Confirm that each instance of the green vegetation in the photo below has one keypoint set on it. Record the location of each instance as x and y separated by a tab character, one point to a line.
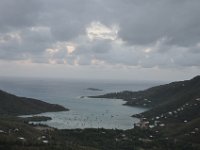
19	135
174	110
171	123
14	105
163	98
37	118
16	134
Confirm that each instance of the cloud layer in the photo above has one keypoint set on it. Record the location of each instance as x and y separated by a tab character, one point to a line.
146	34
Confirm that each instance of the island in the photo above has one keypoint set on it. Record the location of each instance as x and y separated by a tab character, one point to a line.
94	89
172	122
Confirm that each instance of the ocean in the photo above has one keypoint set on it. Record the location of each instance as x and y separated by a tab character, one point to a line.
84	112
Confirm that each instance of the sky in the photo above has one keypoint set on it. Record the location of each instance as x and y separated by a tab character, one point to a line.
100	39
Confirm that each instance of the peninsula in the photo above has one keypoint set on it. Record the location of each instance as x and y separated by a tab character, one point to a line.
14	105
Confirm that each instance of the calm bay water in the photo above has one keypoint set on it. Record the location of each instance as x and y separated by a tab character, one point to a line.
84	112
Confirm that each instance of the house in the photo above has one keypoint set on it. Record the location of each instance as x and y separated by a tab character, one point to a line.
143	124
197	99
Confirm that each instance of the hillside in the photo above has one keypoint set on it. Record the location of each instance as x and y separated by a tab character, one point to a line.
163	98
174	111
14	105
172	122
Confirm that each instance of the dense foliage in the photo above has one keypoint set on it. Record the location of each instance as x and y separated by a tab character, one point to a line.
14	105
173	123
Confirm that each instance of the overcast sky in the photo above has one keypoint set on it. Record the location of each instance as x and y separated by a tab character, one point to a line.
100	39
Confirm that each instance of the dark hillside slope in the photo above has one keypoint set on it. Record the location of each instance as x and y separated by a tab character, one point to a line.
165	98
14	105
182	100
174	110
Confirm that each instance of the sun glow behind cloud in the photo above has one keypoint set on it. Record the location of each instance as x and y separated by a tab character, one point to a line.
100	34
97	30
70	49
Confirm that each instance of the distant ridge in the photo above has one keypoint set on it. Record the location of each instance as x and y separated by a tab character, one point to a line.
13	105
163	98
174	109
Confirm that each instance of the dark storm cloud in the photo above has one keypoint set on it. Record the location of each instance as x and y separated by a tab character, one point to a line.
151	33
150	21
18	14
